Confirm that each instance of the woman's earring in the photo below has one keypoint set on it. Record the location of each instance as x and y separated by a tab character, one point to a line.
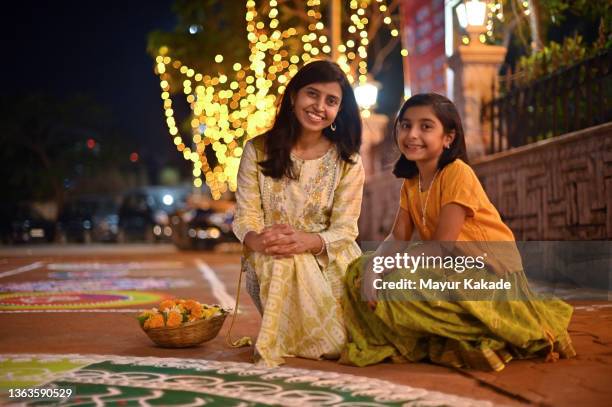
333	126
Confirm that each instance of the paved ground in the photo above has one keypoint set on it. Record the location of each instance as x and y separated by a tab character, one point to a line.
104	324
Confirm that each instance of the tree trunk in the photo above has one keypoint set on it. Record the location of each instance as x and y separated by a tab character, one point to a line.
534	26
58	187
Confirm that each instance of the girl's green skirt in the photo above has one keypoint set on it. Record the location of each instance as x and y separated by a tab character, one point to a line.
482	334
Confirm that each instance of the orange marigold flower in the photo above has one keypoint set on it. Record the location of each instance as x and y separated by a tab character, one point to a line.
189	304
197	312
174	319
155	321
166	304
194	307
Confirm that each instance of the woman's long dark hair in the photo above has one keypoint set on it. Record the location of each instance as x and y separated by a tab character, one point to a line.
286	129
448	115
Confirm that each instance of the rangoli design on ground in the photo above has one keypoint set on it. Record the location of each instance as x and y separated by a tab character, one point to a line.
78	300
95	274
96	285
115	266
100	380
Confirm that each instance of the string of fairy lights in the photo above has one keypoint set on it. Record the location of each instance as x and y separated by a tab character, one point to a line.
495	11
229	109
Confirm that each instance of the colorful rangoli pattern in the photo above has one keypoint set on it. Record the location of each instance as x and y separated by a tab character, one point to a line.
113	380
100	274
77	300
96	284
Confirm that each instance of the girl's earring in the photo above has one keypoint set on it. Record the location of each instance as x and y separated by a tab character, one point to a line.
333	126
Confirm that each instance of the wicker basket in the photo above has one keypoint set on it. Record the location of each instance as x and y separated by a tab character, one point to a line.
189	333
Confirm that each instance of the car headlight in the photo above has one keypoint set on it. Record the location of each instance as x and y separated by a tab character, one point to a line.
187	216
216	218
213	233
160	217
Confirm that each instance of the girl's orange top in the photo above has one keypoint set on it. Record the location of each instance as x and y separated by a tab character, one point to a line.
456	183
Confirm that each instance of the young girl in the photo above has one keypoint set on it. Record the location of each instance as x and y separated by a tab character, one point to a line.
442	199
298	201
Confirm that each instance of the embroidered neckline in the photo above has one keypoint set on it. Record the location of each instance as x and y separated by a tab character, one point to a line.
329	150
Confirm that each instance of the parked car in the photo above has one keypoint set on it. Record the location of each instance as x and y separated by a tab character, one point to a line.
21	223
203	223
144	213
89	218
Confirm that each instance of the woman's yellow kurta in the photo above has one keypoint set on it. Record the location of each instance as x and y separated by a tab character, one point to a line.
300	296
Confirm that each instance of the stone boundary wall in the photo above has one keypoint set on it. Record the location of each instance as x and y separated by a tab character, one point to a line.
556	189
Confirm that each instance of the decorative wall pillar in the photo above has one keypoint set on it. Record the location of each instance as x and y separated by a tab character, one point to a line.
374	127
475	67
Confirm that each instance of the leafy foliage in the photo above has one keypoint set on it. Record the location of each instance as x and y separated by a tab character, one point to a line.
557	56
44	149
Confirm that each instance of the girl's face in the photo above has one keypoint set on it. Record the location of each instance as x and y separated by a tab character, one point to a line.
316	105
421	136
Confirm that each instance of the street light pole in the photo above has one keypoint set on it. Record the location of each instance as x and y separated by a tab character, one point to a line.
336	25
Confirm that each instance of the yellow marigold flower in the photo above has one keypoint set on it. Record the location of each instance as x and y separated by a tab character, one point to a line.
166	304
155	321
146	314
174	319
210	312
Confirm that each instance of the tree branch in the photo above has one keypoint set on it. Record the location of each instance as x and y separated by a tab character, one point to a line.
517	18
507	35
295	11
381	56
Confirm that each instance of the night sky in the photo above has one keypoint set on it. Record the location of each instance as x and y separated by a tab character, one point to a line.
99	49
93	48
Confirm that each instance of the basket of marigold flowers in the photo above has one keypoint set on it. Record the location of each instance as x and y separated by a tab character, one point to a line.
182	323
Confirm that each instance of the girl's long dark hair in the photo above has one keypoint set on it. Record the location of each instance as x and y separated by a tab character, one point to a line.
286	129
448	115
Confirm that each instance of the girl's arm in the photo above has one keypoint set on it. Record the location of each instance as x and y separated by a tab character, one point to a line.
402	227
452	217
402	230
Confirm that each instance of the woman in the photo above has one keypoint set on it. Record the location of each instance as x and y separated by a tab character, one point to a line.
298	201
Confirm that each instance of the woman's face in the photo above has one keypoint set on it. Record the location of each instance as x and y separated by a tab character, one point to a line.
316	105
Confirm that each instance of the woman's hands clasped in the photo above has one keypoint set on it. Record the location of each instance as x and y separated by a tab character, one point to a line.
282	240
